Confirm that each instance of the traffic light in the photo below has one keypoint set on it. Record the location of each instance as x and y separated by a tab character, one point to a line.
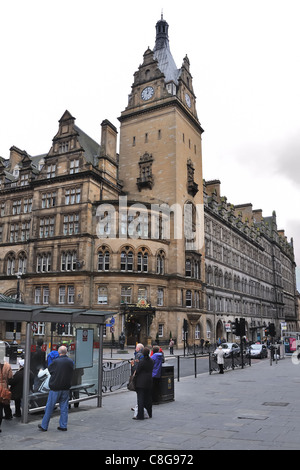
185	325
272	330
237	327
267	331
60	328
242	327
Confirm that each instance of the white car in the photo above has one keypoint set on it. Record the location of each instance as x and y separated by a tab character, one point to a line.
230	349
257	350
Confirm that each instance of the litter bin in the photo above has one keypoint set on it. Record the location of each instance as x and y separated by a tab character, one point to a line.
166	384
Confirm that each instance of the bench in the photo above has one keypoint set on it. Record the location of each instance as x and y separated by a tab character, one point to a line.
35	397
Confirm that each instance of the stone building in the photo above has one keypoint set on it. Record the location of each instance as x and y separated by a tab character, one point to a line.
87	226
250	268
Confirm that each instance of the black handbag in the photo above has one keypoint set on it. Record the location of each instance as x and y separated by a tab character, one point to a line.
131	383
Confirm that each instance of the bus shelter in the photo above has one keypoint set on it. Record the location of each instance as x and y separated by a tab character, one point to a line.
86	321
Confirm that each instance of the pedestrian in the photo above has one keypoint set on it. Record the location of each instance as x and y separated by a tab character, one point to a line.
220	359
122	341
51	356
16	387
144	385
61	371
37	362
5	394
171	345
157	359
138	355
160	350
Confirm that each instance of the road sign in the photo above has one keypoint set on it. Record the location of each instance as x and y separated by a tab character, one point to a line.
111	322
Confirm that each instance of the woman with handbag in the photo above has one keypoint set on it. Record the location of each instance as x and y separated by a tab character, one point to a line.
143	385
5	394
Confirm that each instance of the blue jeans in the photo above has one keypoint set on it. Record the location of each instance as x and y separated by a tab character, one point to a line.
61	397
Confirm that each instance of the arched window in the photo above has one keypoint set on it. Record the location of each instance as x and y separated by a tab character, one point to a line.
160	262
22	263
209	275
103	259
142	261
127	259
11	262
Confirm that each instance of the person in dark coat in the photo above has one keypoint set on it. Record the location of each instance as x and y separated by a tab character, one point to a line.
16	387
144	385
37	362
60	382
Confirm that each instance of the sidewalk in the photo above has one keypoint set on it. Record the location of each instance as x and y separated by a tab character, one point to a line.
256	408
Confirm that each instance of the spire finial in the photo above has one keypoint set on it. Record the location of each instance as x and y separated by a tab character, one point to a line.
162	14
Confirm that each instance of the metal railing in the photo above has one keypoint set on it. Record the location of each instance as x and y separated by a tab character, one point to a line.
115	375
231	362
198	349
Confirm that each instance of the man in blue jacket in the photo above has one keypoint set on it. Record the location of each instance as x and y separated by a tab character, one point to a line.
61	371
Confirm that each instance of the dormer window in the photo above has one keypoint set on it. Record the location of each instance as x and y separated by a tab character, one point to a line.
24	179
16	171
41	164
171	88
63	147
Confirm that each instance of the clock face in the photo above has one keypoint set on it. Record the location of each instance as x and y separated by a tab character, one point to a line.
147	93
188	100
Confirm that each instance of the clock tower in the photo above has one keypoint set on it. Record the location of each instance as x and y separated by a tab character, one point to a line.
160	126
160	164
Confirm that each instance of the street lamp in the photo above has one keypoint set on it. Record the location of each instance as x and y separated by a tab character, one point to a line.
19	275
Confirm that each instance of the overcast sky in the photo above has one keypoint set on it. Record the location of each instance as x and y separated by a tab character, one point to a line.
244	56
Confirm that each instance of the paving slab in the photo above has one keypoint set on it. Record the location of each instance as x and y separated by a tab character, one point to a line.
255	408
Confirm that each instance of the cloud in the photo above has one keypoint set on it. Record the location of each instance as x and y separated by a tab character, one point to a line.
287	161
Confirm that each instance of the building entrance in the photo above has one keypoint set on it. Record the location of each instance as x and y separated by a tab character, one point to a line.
137	323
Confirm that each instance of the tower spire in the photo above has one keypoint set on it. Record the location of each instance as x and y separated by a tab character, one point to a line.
162	37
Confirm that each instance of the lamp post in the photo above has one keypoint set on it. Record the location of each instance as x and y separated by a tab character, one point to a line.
18	274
